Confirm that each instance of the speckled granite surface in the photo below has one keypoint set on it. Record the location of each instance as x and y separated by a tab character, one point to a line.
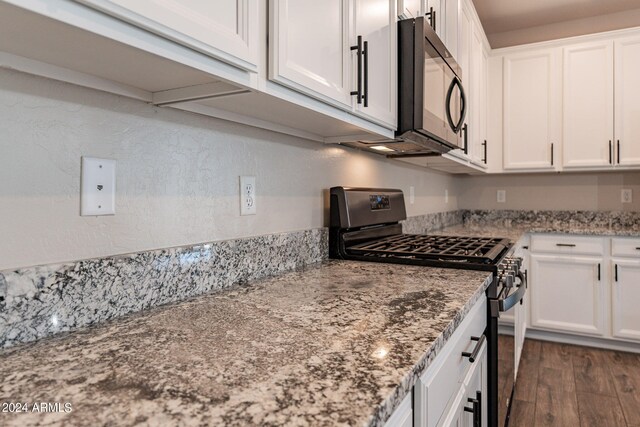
422	224
570	222
340	343
40	301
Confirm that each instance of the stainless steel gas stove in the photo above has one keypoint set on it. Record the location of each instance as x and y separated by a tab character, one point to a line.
365	226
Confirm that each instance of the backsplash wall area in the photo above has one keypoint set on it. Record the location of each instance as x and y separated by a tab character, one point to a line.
567	191
177	175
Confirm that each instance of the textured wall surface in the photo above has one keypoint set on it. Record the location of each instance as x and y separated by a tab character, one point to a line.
566	191
177	175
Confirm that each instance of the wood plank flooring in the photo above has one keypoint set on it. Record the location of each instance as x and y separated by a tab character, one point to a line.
566	385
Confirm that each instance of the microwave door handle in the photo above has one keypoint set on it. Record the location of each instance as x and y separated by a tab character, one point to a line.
463	105
447	104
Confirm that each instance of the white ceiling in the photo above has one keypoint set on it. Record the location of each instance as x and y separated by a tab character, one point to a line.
511	22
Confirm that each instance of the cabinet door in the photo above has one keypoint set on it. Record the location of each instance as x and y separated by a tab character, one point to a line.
311	55
475	97
226	29
588	105
627	69
451	16
567	293
532	103
625	294
375	21
403	415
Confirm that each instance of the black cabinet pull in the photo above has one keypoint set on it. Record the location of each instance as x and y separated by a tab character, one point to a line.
365	53
616	271
525	247
358	49
485	151
610	152
552	154
431	15
476	409
566	245
465	129
474	354
598	272
618	151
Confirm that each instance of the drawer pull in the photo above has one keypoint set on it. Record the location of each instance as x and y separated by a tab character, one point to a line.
567	245
474	354
475	409
637	249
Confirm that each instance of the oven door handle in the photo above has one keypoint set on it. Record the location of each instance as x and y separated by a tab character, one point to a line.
514	298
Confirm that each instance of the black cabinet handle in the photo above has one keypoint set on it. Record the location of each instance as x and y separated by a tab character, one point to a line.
566	245
431	15
365	53
358	49
485	151
616	271
598	272
610	152
474	354
618	151
552	154
476	409
525	247
465	129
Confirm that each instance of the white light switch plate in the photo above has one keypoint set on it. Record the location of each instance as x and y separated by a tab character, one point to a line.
502	196
247	195
412	194
98	187
626	195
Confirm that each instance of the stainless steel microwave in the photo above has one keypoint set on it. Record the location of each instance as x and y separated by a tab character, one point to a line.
431	99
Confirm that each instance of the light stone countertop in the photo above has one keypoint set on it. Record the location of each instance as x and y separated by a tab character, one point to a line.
337	343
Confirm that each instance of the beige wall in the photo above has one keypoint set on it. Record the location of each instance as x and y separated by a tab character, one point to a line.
177	175
575	191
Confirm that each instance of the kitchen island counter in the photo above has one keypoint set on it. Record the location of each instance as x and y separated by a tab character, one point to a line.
337	343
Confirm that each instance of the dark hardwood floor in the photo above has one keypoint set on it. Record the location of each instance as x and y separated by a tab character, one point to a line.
567	385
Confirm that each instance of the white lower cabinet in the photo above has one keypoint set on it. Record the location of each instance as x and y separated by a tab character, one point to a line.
586	286
442	393
568	293
625	294
403	415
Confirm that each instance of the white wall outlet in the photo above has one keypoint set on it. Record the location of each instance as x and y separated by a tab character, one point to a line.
247	195
98	187
412	194
446	196
502	196
626	195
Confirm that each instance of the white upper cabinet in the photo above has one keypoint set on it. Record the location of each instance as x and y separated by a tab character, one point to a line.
588	105
309	48
375	22
532	110
224	29
342	52
474	98
627	100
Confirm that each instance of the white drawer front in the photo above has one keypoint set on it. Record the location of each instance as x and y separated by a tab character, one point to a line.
567	244
444	377
621	246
